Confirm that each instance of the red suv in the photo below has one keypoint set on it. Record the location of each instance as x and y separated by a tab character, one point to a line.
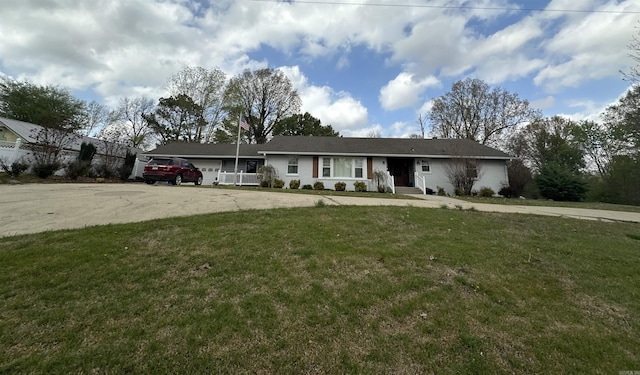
176	170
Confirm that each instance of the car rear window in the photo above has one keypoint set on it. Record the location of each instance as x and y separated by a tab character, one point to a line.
161	162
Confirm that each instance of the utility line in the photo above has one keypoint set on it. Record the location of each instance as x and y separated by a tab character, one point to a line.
460	7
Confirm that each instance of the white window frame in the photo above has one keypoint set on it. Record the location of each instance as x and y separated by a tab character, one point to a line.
356	164
423	163
290	165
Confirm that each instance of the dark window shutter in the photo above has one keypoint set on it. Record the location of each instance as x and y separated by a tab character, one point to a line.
369	167
315	167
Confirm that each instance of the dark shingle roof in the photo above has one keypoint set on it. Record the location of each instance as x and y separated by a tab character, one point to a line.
402	147
200	150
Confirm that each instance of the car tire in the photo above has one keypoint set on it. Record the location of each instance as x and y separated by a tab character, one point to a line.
149	182
199	181
178	180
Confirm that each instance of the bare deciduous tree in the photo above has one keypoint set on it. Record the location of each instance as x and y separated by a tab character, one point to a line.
96	118
463	174
374	133
472	110
47	150
633	74
421	123
206	89
264	97
127	123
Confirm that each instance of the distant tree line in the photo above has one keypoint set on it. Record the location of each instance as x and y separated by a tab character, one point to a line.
554	157
202	106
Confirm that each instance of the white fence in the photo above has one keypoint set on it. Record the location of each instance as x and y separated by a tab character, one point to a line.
391	182
421	182
11	151
241	178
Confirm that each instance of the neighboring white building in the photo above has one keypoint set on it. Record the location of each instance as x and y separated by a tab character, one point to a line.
422	163
16	136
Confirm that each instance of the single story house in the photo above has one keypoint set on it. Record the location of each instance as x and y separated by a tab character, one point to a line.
420	163
16	136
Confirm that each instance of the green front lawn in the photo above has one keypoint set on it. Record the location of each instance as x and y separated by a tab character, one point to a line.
324	290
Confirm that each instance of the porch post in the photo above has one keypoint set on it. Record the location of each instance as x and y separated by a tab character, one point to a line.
15	150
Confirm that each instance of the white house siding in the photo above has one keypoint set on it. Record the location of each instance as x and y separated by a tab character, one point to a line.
492	174
305	171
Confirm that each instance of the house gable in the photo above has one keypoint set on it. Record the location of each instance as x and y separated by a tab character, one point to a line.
7	135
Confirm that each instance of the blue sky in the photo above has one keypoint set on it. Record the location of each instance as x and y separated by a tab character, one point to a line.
359	65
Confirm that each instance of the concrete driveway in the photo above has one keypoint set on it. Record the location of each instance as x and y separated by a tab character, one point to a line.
33	208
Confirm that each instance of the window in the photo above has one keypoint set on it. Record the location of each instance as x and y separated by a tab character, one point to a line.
343	167
358	167
292	166
252	166
472	169
425	166
326	167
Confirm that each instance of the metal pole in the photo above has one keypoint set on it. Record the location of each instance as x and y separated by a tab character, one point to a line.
235	170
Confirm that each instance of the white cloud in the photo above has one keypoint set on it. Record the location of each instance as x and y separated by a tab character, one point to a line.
589	109
337	109
589	47
365	132
425	108
543	103
404	91
402	130
586	110
128	48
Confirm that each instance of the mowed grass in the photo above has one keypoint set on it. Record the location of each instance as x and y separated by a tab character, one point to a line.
325	290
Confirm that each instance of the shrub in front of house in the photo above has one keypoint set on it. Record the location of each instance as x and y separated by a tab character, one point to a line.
458	191
125	170
104	171
267	174
360	186
486	192
318	185
294	184
77	168
45	170
15	169
340	186
278	183
307	187
507	192
441	191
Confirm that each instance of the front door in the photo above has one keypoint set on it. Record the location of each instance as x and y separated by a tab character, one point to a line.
402	170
